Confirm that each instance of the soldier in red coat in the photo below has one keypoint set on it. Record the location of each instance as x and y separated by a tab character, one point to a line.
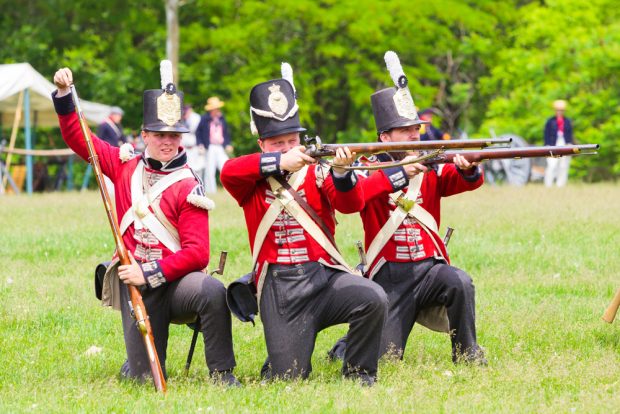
401	217
304	285
165	226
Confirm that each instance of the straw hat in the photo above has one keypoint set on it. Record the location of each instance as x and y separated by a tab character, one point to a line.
559	105
213	103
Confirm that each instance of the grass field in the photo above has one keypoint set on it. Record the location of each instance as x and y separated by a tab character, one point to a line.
545	263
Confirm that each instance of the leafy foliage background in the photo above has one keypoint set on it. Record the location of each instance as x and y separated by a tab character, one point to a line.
485	66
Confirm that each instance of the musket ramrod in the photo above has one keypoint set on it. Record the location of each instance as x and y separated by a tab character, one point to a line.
138	309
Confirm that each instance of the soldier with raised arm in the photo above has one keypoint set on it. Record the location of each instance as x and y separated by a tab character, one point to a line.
164	220
304	285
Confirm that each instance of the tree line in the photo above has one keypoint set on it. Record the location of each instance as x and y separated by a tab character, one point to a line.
484	66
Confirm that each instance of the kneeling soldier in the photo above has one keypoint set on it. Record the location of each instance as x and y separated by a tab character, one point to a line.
304	285
165	225
405	255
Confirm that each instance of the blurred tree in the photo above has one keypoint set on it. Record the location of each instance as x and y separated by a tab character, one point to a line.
482	64
336	50
114	46
564	49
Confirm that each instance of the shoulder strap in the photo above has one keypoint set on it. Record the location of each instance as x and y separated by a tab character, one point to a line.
424	218
285	198
271	215
139	198
307	208
394	221
141	216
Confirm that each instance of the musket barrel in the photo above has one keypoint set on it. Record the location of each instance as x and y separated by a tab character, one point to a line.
326	150
523	152
94	162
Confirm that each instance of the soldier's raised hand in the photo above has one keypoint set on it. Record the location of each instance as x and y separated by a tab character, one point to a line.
63	79
343	158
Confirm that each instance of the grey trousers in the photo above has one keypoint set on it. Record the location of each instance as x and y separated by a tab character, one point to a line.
411	287
194	294
299	301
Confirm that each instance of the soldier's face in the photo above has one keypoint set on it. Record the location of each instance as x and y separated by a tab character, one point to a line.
279	143
400	134
163	146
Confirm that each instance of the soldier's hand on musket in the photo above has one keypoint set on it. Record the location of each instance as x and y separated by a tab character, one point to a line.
413	169
295	159
63	79
131	274
344	157
463	164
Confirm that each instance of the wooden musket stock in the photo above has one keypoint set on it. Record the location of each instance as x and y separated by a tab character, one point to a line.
612	309
138	308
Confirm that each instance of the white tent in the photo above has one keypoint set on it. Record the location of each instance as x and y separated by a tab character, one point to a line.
38	108
18	77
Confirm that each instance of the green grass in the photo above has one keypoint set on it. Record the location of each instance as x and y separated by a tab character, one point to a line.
545	263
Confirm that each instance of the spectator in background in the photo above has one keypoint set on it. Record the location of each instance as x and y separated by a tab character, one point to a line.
428	131
558	131
213	135
111	130
195	156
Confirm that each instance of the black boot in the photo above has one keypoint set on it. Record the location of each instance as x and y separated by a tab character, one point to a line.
225	378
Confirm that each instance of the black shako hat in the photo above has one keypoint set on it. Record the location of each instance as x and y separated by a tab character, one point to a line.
162	108
394	107
273	106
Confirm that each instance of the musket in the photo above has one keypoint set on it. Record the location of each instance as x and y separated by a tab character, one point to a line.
448	236
523	152
138	310
612	309
316	149
362	255
445	157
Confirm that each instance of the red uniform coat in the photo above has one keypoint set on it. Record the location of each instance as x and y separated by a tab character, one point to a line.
287	242
410	242
191	222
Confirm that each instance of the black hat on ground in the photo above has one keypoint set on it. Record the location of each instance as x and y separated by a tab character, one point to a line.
241	298
273	106
163	108
394	107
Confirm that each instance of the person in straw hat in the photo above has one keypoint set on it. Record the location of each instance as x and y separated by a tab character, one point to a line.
558	131
213	135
